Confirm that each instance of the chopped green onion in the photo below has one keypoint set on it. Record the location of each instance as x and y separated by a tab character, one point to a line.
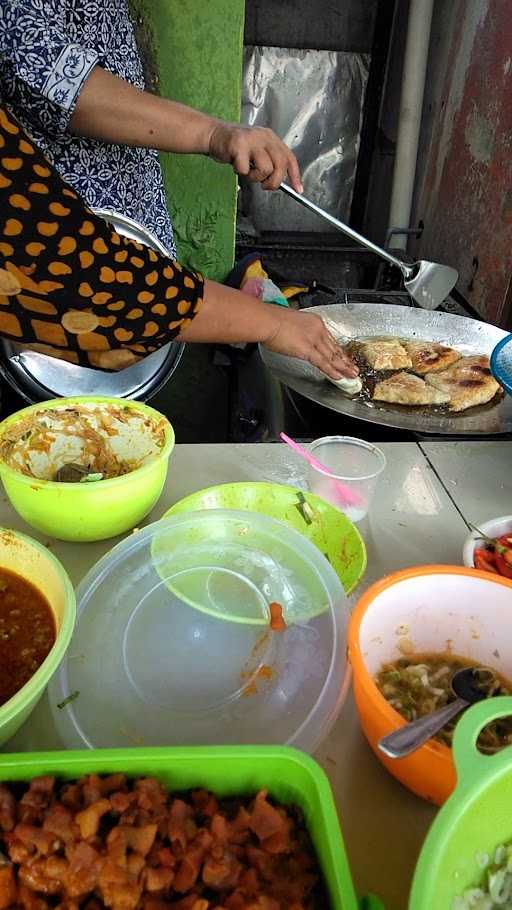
304	509
68	700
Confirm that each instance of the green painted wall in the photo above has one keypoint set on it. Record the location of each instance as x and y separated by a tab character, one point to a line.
199	58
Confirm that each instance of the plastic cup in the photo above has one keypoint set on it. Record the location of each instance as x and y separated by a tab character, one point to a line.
353	463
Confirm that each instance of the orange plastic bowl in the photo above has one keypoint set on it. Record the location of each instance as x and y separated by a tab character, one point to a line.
425	609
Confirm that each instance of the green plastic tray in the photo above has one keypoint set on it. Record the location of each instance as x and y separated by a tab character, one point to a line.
476	819
290	777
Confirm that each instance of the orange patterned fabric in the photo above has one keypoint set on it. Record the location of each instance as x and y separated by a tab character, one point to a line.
69	285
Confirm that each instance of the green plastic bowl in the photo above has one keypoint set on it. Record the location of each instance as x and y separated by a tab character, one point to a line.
331	531
35	563
288	775
87	511
476	819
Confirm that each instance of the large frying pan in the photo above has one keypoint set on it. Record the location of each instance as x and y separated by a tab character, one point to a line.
356	320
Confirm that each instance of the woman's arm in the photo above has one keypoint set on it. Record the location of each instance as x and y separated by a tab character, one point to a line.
72	287
61	86
228	316
110	109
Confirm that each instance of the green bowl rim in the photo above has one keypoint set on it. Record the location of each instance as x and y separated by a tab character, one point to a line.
12	707
266	483
239	515
53	404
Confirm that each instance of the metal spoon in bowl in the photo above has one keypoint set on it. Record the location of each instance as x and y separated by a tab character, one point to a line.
70	473
467	686
75	473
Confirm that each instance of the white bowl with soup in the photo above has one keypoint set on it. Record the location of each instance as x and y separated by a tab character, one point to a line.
37	617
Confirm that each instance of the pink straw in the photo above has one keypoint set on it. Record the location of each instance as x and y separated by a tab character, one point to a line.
346	496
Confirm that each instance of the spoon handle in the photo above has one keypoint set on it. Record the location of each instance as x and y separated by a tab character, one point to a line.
409	738
302	452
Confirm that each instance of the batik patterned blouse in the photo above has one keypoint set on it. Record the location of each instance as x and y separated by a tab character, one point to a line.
47	51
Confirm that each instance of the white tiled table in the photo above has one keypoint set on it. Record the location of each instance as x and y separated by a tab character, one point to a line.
418	517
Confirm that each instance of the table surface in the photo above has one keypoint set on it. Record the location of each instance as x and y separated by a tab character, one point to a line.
426	495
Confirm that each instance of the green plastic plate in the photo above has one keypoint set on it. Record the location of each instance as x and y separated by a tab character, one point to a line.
331	531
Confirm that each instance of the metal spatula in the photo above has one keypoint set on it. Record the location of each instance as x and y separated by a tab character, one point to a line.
428	283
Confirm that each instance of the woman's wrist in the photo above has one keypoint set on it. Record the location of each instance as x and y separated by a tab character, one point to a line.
211	127
231	317
273	322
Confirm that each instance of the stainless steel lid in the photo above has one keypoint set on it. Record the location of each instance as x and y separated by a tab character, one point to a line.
37	378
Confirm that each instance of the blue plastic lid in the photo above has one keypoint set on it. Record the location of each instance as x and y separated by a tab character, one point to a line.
501	363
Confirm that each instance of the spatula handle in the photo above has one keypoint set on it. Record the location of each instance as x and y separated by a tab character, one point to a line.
406	270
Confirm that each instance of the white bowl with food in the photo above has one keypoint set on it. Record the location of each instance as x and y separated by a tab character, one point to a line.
484	543
85	469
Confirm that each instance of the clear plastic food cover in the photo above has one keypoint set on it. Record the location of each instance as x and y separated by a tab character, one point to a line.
174	645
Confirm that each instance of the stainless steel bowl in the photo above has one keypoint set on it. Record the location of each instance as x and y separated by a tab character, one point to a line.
36	377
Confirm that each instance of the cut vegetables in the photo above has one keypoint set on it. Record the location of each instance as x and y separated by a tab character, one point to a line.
418	685
94	438
495	891
495	556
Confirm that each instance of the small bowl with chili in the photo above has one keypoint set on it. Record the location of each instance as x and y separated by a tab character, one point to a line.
408	633
489	547
37	617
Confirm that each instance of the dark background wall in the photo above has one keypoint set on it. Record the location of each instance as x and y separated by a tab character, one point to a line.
464	172
316	24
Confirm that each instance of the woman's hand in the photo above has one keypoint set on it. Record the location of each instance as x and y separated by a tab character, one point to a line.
305	335
230	317
255	152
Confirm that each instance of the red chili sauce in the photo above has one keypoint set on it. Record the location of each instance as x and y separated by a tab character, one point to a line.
27	632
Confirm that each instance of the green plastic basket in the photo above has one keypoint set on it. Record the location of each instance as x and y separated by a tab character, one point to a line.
476	819
289	776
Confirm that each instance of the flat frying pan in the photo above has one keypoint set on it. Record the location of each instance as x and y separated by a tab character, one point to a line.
359	320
